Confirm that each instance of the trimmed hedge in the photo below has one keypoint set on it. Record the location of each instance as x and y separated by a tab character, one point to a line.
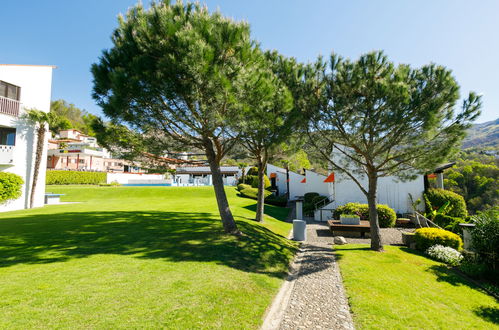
75	177
386	215
426	237
438	197
10	186
252	180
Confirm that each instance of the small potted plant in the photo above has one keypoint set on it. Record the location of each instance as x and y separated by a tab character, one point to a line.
349	219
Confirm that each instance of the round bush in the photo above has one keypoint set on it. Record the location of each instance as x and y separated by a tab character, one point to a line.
445	254
438	197
308	197
427	237
386	215
10	186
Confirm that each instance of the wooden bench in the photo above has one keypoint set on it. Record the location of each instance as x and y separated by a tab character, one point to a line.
53	198
363	228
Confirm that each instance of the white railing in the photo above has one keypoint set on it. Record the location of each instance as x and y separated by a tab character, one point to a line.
6	155
9	106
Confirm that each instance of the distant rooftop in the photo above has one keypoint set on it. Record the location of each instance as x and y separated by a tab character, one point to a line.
206	170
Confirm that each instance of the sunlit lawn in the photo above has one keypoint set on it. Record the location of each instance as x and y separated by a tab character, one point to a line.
139	257
400	289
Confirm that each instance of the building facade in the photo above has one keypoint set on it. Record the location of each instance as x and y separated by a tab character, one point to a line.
23	87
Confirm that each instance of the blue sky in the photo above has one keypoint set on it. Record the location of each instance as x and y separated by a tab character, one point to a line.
462	35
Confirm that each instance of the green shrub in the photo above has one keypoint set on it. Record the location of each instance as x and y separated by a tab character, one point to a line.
386	215
438	198
485	237
75	177
426	237
242	186
449	223
252	180
276	200
253	171
308	197
10	186
250	192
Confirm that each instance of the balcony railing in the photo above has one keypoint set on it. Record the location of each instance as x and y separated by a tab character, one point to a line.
6	155
9	106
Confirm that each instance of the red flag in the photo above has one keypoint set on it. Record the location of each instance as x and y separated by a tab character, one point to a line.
304	180
330	178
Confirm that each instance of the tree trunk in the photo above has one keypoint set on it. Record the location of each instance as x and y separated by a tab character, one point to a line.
228	222
38	159
260	203
376	243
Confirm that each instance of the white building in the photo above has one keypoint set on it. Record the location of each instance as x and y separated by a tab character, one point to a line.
201	175
22	87
391	191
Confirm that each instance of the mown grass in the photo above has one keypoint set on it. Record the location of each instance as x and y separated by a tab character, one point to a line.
148	257
401	289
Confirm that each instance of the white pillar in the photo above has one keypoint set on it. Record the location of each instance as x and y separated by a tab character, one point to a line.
299	209
440	180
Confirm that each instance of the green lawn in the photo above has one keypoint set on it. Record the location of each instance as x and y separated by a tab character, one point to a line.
400	289
139	257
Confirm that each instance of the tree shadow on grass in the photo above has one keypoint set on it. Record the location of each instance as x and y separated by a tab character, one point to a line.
172	236
489	314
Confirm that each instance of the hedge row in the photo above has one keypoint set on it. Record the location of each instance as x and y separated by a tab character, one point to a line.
386	215
75	177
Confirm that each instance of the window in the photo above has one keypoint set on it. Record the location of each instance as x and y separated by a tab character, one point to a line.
10	91
7	136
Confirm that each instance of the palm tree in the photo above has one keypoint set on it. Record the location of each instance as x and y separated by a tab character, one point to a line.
40	119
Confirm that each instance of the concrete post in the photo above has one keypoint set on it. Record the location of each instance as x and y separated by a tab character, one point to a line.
467	228
440	180
299	209
299	230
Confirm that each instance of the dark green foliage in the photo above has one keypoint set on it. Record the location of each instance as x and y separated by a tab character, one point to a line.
10	186
386	215
252	192
276	200
253	171
70	116
252	180
426	237
449	223
438	197
485	237
75	177
308	197
475	177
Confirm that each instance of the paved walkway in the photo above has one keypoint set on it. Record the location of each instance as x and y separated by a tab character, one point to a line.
316	297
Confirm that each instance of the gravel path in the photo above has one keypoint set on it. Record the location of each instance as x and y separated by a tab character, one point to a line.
318	299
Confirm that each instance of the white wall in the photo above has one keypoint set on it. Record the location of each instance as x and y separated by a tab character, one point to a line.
391	191
280	178
36	84
124	178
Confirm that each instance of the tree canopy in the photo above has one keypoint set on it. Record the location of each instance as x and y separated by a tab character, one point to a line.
379	119
178	69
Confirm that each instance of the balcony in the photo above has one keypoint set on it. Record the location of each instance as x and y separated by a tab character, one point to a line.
6	155
9	106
